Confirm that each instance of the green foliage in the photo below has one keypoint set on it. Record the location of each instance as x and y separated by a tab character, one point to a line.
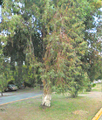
5	72
93	85
5	75
53	39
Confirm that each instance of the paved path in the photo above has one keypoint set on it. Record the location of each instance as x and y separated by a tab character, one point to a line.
16	97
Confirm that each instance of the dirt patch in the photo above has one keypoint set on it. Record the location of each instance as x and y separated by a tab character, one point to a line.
80	112
93	95
2	110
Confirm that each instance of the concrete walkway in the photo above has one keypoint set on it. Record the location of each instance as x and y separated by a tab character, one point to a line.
16	97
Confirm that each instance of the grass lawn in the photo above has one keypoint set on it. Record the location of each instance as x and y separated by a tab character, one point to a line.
98	87
62	108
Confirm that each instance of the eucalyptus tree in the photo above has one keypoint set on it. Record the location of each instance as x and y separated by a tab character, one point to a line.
92	57
65	47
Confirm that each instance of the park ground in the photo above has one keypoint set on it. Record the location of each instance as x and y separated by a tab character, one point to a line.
63	107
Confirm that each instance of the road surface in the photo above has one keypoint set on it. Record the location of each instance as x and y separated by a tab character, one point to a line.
16	97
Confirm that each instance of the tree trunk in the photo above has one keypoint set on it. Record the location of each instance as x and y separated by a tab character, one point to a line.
1	93
19	78
46	100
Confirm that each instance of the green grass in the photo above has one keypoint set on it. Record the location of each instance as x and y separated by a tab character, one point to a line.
62	108
98	87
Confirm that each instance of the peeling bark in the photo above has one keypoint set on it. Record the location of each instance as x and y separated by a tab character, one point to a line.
46	100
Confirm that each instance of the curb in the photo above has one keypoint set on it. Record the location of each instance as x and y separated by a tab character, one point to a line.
20	100
97	116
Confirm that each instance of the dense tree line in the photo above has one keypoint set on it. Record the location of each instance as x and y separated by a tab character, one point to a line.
51	43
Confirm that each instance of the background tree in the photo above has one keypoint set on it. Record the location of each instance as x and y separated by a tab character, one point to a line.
23	41
5	72
92	35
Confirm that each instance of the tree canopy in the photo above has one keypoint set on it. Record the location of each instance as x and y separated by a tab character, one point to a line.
51	42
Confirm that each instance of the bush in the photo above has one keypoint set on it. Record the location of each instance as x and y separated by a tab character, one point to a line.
93	85
89	87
